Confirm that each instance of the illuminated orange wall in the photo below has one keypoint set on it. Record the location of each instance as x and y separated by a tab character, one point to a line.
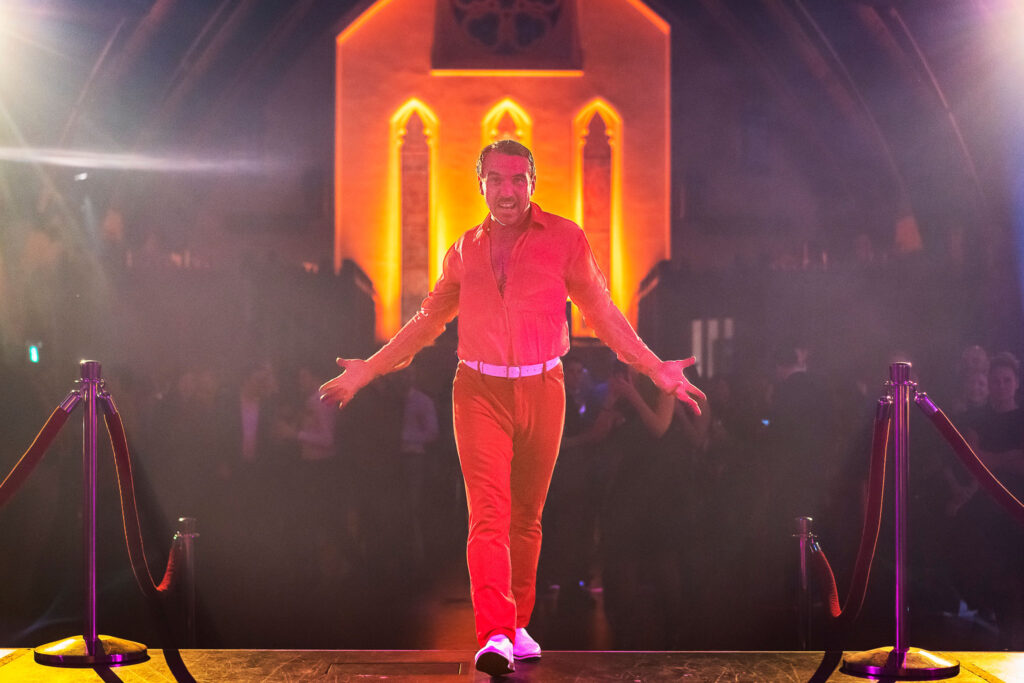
383	73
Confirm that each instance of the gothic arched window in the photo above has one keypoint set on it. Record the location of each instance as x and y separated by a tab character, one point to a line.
411	221
506	120
597	173
415	181
597	191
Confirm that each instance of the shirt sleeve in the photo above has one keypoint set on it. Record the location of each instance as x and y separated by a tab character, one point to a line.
588	289
436	311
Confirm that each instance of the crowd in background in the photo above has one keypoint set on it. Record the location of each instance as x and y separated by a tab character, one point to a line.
678	528
321	528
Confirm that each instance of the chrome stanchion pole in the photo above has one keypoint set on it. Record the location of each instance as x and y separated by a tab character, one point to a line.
806	537
901	661
186	535
899	376
91	648
90	388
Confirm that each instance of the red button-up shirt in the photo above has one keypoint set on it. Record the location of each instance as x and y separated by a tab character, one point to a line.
526	324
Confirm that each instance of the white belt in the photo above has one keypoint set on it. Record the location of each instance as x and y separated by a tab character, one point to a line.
511	371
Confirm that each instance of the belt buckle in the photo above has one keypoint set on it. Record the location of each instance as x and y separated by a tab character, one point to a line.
512	372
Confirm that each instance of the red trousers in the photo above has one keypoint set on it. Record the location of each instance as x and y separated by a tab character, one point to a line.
508	433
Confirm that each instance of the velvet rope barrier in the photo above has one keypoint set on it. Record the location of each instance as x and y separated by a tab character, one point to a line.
869	532
133	533
872	522
136	550
130	512
28	461
970	459
845	615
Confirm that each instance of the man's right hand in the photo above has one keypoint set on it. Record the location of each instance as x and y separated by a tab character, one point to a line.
669	378
341	389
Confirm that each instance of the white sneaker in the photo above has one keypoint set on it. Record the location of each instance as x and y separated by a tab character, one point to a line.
526	647
495	658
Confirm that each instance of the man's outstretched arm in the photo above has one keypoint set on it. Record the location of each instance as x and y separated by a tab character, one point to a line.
589	290
437	310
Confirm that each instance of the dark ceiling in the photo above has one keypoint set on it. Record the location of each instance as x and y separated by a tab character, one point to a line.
920	91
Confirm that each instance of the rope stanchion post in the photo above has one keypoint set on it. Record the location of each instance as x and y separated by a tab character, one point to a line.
900	661
91	384
806	538
186	535
91	648
899	376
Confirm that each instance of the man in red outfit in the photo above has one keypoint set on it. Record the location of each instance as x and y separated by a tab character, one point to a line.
508	279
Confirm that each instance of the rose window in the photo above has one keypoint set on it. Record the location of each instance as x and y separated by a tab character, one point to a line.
506	26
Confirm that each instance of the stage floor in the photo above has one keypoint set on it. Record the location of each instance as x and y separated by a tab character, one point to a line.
244	666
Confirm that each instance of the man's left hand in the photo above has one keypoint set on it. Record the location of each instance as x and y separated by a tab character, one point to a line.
670	379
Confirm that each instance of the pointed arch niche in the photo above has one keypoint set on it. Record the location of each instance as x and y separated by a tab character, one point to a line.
597	193
412	188
506	120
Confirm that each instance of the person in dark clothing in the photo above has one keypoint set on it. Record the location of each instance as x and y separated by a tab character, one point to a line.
641	516
570	518
800	436
990	545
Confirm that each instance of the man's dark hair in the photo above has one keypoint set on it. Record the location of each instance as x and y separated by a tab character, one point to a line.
1005	359
510	147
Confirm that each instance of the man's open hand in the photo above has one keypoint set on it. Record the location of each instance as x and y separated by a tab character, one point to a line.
670	379
341	389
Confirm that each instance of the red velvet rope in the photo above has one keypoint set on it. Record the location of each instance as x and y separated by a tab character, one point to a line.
869	533
136	549
27	463
130	516
873	518
974	464
828	580
133	534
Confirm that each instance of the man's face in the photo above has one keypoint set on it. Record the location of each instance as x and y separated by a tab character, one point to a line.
506	186
976	388
1002	385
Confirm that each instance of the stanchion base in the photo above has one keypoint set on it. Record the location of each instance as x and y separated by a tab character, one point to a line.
72	652
912	665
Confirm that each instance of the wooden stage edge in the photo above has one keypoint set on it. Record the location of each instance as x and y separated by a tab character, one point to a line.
438	666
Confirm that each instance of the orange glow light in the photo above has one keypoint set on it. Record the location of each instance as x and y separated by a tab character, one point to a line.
650	15
361	20
507	73
339	243
390	289
376	91
489	127
613	126
667	177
